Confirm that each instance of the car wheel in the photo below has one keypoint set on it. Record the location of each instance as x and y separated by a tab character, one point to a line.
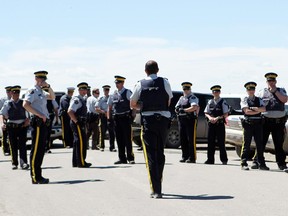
173	138
239	149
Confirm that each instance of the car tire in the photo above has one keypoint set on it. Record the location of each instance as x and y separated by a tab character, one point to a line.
173	138
239	149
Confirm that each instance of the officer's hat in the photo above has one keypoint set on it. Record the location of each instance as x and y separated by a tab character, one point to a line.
215	88
250	85
8	88
41	74
186	85
70	89
119	79
82	85
271	76
16	88
106	87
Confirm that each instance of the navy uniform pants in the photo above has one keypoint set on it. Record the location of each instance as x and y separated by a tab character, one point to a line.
67	134
39	136
49	130
79	144
104	126
187	128
18	138
123	131
278	131
5	144
154	135
216	132
93	129
249	131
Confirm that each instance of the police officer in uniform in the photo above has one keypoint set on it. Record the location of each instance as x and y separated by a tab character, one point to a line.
93	119
5	144
274	99
252	124
78	114
216	111
35	102
101	108
119	110
152	97
16	126
187	111
67	134
52	108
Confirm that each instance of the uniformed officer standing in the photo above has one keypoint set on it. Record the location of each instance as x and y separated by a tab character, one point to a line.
52	108
152	97
119	109
93	119
35	102
78	113
67	134
101	108
5	144
216	111
187	111
252	123
17	123
274	99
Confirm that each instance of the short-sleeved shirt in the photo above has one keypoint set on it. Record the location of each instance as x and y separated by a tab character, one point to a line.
102	103
225	106
4	111
90	103
38	100
2	101
75	103
246	99
137	92
268	98
117	94
191	99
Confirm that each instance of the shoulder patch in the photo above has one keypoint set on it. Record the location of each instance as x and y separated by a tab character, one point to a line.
76	101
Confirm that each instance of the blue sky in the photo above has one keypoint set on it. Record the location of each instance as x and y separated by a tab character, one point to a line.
205	42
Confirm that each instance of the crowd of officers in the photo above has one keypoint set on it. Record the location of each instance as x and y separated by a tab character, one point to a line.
87	114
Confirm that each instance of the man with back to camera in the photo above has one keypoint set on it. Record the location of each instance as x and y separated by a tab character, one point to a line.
252	124
78	114
35	102
274	99
152	96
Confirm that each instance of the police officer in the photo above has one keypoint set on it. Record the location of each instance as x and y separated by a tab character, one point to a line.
252	123
67	134
216	111
119	110
152	97
101	108
78	114
93	119
5	144
274	99
187	111
35	102
16	126
52	108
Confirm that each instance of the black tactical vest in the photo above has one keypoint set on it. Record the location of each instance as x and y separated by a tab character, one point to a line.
275	105
121	104
16	111
216	109
82	111
255	103
153	95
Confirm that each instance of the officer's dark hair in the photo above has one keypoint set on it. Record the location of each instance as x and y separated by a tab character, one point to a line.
151	67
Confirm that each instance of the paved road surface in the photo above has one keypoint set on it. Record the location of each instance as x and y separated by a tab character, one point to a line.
123	190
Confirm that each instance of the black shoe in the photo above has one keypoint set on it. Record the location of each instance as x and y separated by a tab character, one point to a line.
42	181
113	150
285	170
131	162
190	161
120	162
25	166
86	165
255	165
156	195
48	151
282	167
208	162
182	160
244	167
224	163
263	167
14	167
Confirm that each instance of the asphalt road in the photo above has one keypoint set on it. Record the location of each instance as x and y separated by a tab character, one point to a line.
118	190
